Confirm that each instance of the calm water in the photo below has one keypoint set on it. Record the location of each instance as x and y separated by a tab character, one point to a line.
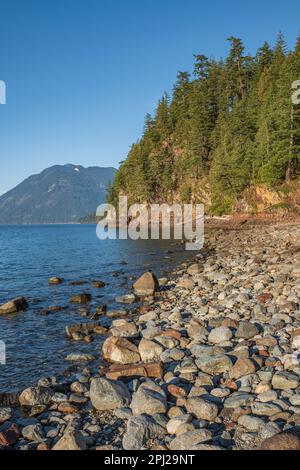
36	344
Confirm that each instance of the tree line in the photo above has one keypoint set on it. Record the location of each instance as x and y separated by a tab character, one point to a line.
230	125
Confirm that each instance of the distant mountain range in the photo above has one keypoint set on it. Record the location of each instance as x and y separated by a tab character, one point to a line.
60	194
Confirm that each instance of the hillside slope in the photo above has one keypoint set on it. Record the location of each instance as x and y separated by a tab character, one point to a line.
60	194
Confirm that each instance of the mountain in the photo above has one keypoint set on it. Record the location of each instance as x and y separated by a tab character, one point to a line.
60	194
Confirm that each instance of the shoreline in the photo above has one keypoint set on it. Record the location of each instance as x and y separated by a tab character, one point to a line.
220	341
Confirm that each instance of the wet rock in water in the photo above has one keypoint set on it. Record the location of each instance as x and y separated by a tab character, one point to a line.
81	298
246	330
98	284
192	440
285	380
19	304
149	370
202	409
146	285
85	329
35	396
126	299
289	440
54	281
77	283
149	399
141	429
5	414
220	335
71	440
108	395
120	350
80	357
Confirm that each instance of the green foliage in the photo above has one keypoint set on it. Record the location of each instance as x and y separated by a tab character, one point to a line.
233	122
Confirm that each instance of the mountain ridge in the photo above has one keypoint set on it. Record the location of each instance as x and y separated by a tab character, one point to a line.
58	194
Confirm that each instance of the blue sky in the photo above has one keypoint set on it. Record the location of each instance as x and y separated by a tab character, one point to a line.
82	74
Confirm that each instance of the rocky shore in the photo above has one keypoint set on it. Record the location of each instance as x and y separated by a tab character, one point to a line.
209	361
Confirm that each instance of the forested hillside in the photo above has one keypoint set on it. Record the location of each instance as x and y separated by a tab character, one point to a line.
227	129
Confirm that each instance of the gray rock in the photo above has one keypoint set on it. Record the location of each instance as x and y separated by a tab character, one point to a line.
140	429
33	432
149	399
192	440
202	409
285	380
5	414
251	423
220	335
246	330
108	395
35	396
214	365
238	399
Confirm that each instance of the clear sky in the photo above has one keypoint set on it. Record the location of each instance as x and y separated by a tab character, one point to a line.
82	74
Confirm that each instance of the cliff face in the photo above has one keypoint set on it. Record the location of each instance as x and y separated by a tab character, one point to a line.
60	194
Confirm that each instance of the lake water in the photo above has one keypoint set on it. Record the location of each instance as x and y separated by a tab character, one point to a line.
36	344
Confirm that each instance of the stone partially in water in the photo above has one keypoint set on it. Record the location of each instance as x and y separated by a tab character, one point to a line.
54	281
14	306
81	298
35	396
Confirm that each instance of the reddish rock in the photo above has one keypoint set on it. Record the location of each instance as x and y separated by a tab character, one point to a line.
283	415
10	436
242	367
172	334
267	341
67	408
177	392
264	298
151	370
43	446
282	441
229	323
289	306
